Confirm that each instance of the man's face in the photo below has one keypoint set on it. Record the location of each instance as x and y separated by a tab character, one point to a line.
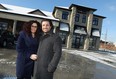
46	26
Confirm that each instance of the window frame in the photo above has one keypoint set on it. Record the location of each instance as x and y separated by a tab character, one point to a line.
95	21
77	17
65	15
84	18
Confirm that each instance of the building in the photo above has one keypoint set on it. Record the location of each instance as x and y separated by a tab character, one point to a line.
14	16
80	27
105	45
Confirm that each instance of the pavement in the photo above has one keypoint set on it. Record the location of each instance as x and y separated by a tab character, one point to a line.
104	57
73	65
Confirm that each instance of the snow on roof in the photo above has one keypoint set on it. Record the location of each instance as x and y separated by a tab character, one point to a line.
105	40
17	8
63	7
33	15
25	11
47	13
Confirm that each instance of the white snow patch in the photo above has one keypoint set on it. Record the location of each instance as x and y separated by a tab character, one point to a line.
95	56
2	60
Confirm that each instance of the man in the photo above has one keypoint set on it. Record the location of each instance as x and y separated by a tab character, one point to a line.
49	52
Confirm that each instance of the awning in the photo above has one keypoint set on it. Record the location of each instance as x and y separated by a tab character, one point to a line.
79	31
96	33
64	27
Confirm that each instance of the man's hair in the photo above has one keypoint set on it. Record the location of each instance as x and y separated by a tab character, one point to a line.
50	22
27	27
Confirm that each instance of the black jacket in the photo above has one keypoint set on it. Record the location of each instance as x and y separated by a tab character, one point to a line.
49	54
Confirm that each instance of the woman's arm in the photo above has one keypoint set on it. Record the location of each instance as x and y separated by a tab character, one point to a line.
20	47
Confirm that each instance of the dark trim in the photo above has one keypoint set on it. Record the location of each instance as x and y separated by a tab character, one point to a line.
60	8
63	8
99	16
36	11
3	7
81	7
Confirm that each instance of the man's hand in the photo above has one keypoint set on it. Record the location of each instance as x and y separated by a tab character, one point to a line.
33	57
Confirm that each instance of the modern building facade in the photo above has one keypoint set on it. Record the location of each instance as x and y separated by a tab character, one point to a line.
79	27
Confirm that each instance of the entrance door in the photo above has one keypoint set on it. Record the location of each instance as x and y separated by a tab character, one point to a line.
77	42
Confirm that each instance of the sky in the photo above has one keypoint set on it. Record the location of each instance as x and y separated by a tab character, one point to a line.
105	8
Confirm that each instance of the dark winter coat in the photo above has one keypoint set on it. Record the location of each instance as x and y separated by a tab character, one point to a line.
49	54
26	45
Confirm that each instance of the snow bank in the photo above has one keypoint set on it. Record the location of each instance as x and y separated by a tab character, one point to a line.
108	59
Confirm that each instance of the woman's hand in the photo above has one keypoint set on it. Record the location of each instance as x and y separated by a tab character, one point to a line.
33	57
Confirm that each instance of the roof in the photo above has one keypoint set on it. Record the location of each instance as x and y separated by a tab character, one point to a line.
82	7
74	5
3	7
99	16
26	11
61	7
37	10
79	7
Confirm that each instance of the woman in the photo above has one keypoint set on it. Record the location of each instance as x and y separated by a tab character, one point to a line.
27	47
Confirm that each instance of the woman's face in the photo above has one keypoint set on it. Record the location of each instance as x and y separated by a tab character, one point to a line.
33	27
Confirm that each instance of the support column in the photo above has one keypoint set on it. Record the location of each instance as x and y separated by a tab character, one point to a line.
55	24
54	29
71	23
97	44
89	26
14	27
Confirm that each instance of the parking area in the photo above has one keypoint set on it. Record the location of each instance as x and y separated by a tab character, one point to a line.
7	63
70	67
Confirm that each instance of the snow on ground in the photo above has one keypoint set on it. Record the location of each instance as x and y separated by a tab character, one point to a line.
98	56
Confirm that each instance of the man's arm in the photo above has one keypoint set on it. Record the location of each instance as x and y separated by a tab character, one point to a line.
57	49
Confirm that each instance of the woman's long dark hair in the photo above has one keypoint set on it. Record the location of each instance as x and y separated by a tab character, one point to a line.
27	27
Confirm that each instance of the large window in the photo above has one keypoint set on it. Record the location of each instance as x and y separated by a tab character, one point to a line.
79	28
77	17
65	15
78	41
92	43
3	25
63	37
84	19
95	21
